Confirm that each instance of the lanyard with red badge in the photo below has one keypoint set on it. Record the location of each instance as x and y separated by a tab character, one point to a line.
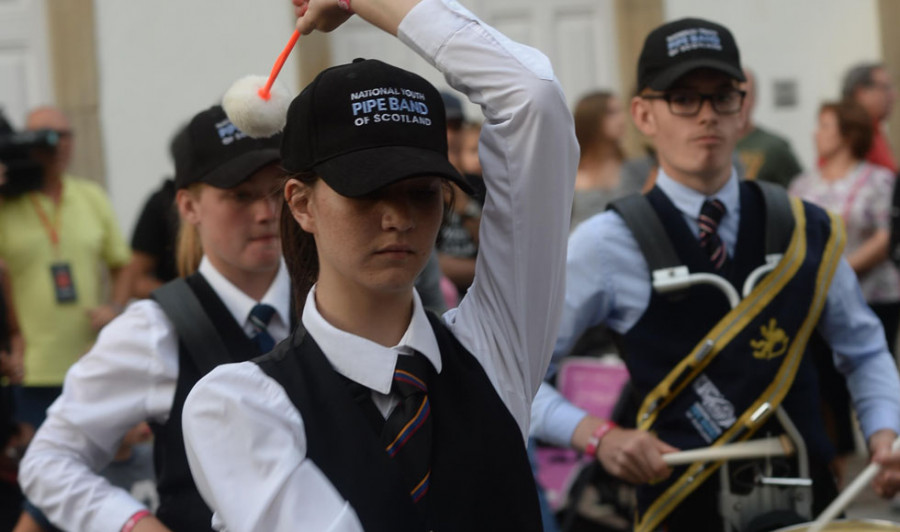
60	271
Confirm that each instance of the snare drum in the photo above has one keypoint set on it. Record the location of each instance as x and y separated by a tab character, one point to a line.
856	525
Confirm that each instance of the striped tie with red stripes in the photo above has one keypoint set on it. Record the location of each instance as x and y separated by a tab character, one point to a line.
710	215
407	431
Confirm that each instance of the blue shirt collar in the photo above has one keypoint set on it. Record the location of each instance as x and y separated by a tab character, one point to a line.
689	201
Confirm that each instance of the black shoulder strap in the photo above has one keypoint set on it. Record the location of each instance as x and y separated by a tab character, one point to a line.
648	231
192	324
779	216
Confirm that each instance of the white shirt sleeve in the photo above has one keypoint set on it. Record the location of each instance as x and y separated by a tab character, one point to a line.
263	448
129	376
529	154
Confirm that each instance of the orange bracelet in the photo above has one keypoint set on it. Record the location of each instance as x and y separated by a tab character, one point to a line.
133	520
594	441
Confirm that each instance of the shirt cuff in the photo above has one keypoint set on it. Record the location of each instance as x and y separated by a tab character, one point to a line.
554	418
115	511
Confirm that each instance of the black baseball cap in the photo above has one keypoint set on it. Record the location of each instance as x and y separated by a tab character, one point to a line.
366	125
674	49
211	150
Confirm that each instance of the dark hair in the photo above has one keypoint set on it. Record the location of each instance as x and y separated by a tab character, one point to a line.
299	248
590	114
858	76
854	125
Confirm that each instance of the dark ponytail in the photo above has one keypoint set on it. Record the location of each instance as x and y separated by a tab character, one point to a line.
299	249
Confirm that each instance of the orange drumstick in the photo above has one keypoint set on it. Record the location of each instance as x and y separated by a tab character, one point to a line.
257	105
265	92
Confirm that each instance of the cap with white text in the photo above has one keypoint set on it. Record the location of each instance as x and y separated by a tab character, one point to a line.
211	150
366	125
676	48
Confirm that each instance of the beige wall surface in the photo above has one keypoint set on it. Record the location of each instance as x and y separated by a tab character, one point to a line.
889	16
70	25
159	63
129	73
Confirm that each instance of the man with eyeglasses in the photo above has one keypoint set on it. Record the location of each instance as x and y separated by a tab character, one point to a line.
707	371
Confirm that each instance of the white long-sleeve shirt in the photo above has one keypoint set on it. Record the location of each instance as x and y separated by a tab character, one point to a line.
128	376
246	441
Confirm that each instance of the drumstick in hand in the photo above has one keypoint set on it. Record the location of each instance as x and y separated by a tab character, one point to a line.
780	446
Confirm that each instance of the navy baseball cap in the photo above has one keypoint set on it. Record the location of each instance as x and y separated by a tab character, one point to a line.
365	125
211	150
674	49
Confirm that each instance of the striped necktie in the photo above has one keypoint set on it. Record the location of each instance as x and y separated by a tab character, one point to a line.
407	431
710	215
259	319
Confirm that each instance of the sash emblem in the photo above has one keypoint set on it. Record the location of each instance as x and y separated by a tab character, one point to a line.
773	344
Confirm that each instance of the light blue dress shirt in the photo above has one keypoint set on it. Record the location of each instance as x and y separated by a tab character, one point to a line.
607	282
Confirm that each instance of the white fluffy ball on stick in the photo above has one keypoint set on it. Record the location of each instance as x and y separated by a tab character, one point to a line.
253	114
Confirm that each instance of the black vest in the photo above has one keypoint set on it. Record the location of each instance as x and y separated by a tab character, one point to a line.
181	508
673	324
480	475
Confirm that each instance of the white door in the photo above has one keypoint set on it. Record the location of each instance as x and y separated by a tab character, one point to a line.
577	35
25	80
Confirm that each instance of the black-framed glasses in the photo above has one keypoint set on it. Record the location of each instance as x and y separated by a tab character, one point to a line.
687	102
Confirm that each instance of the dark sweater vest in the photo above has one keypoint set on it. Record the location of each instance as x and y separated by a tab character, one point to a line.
480	475
180	506
674	324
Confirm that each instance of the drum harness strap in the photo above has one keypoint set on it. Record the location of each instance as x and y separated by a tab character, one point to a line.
785	228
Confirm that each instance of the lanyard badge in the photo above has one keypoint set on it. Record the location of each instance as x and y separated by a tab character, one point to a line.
60	271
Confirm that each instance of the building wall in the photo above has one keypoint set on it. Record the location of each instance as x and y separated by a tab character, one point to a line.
809	42
161	62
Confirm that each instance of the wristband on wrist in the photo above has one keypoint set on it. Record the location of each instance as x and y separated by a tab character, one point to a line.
345	5
594	441
133	520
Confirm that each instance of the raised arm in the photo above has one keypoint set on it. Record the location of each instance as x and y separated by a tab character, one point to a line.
528	154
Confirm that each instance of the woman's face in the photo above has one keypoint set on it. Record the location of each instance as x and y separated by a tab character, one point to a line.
828	135
238	227
378	243
614	122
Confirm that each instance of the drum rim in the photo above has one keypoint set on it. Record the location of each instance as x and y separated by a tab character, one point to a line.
863	521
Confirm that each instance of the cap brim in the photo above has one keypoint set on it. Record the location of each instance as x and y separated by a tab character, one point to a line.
665	80
235	171
362	172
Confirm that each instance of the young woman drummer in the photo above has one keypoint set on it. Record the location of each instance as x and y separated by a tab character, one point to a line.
337	429
143	364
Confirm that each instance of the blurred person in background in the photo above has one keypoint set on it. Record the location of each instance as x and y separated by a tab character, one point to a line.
12	437
55	242
870	86
153	242
600	128
763	154
457	245
155	235
860	192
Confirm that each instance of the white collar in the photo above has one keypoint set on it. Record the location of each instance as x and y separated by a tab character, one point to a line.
364	361
240	304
